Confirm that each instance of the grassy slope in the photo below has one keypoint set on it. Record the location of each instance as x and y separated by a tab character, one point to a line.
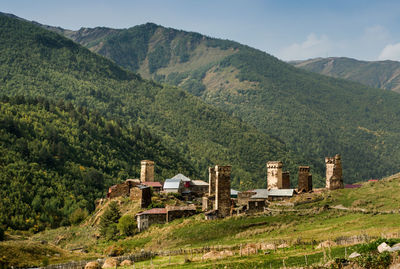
314	115
302	230
377	74
38	62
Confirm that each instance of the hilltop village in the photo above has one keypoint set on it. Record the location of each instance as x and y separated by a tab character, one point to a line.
216	198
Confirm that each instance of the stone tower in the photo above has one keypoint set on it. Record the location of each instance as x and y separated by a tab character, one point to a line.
334	178
146	171
223	190
286	180
211	181
305	179
274	175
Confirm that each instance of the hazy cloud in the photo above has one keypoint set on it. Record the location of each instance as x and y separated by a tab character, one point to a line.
390	52
312	47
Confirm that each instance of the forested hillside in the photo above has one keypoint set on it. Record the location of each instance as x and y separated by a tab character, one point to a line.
316	116
37	62
378	74
56	159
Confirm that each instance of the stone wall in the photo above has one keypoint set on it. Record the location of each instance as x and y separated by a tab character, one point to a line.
211	181
274	175
285	180
244	197
334	178
146	171
121	189
176	212
144	221
305	179
223	190
208	203
141	193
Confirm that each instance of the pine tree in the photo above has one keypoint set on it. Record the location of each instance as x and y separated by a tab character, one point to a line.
109	221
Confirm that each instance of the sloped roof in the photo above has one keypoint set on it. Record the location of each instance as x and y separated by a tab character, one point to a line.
172	183
153	211
199	183
281	192
181	177
234	192
264	193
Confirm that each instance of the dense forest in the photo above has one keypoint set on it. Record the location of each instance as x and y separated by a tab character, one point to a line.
378	74
36	62
314	115
56	159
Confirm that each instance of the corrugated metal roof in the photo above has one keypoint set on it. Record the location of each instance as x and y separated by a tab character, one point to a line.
264	193
153	211
234	192
172	183
181	177
281	192
260	194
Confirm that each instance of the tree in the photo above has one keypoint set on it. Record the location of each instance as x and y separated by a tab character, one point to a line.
109	220
126	225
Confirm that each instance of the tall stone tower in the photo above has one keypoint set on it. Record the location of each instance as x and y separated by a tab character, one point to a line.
305	179
223	190
274	175
286	180
334	178
211	181
146	171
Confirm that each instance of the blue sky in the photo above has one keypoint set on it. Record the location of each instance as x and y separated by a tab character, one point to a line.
289	30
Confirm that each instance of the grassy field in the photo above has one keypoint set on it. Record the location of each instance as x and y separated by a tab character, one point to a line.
301	227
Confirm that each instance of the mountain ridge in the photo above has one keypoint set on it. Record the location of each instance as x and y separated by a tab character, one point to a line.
378	74
314	115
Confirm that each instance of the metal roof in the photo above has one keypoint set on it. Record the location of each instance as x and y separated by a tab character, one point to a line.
234	192
172	183
260	194
181	177
281	192
264	193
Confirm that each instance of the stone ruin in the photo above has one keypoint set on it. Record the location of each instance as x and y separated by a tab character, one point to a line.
219	193
305	179
334	178
146	171
133	188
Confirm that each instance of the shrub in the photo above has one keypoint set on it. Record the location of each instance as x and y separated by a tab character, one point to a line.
78	216
126	225
368	261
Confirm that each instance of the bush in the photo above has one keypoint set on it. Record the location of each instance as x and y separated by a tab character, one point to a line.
382	260
126	225
78	216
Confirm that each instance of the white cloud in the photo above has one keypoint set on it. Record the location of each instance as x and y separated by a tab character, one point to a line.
390	52
312	47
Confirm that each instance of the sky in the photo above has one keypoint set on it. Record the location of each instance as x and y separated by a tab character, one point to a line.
288	29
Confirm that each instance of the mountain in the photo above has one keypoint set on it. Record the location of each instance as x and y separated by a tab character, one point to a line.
314	115
56	158
377	74
37	62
